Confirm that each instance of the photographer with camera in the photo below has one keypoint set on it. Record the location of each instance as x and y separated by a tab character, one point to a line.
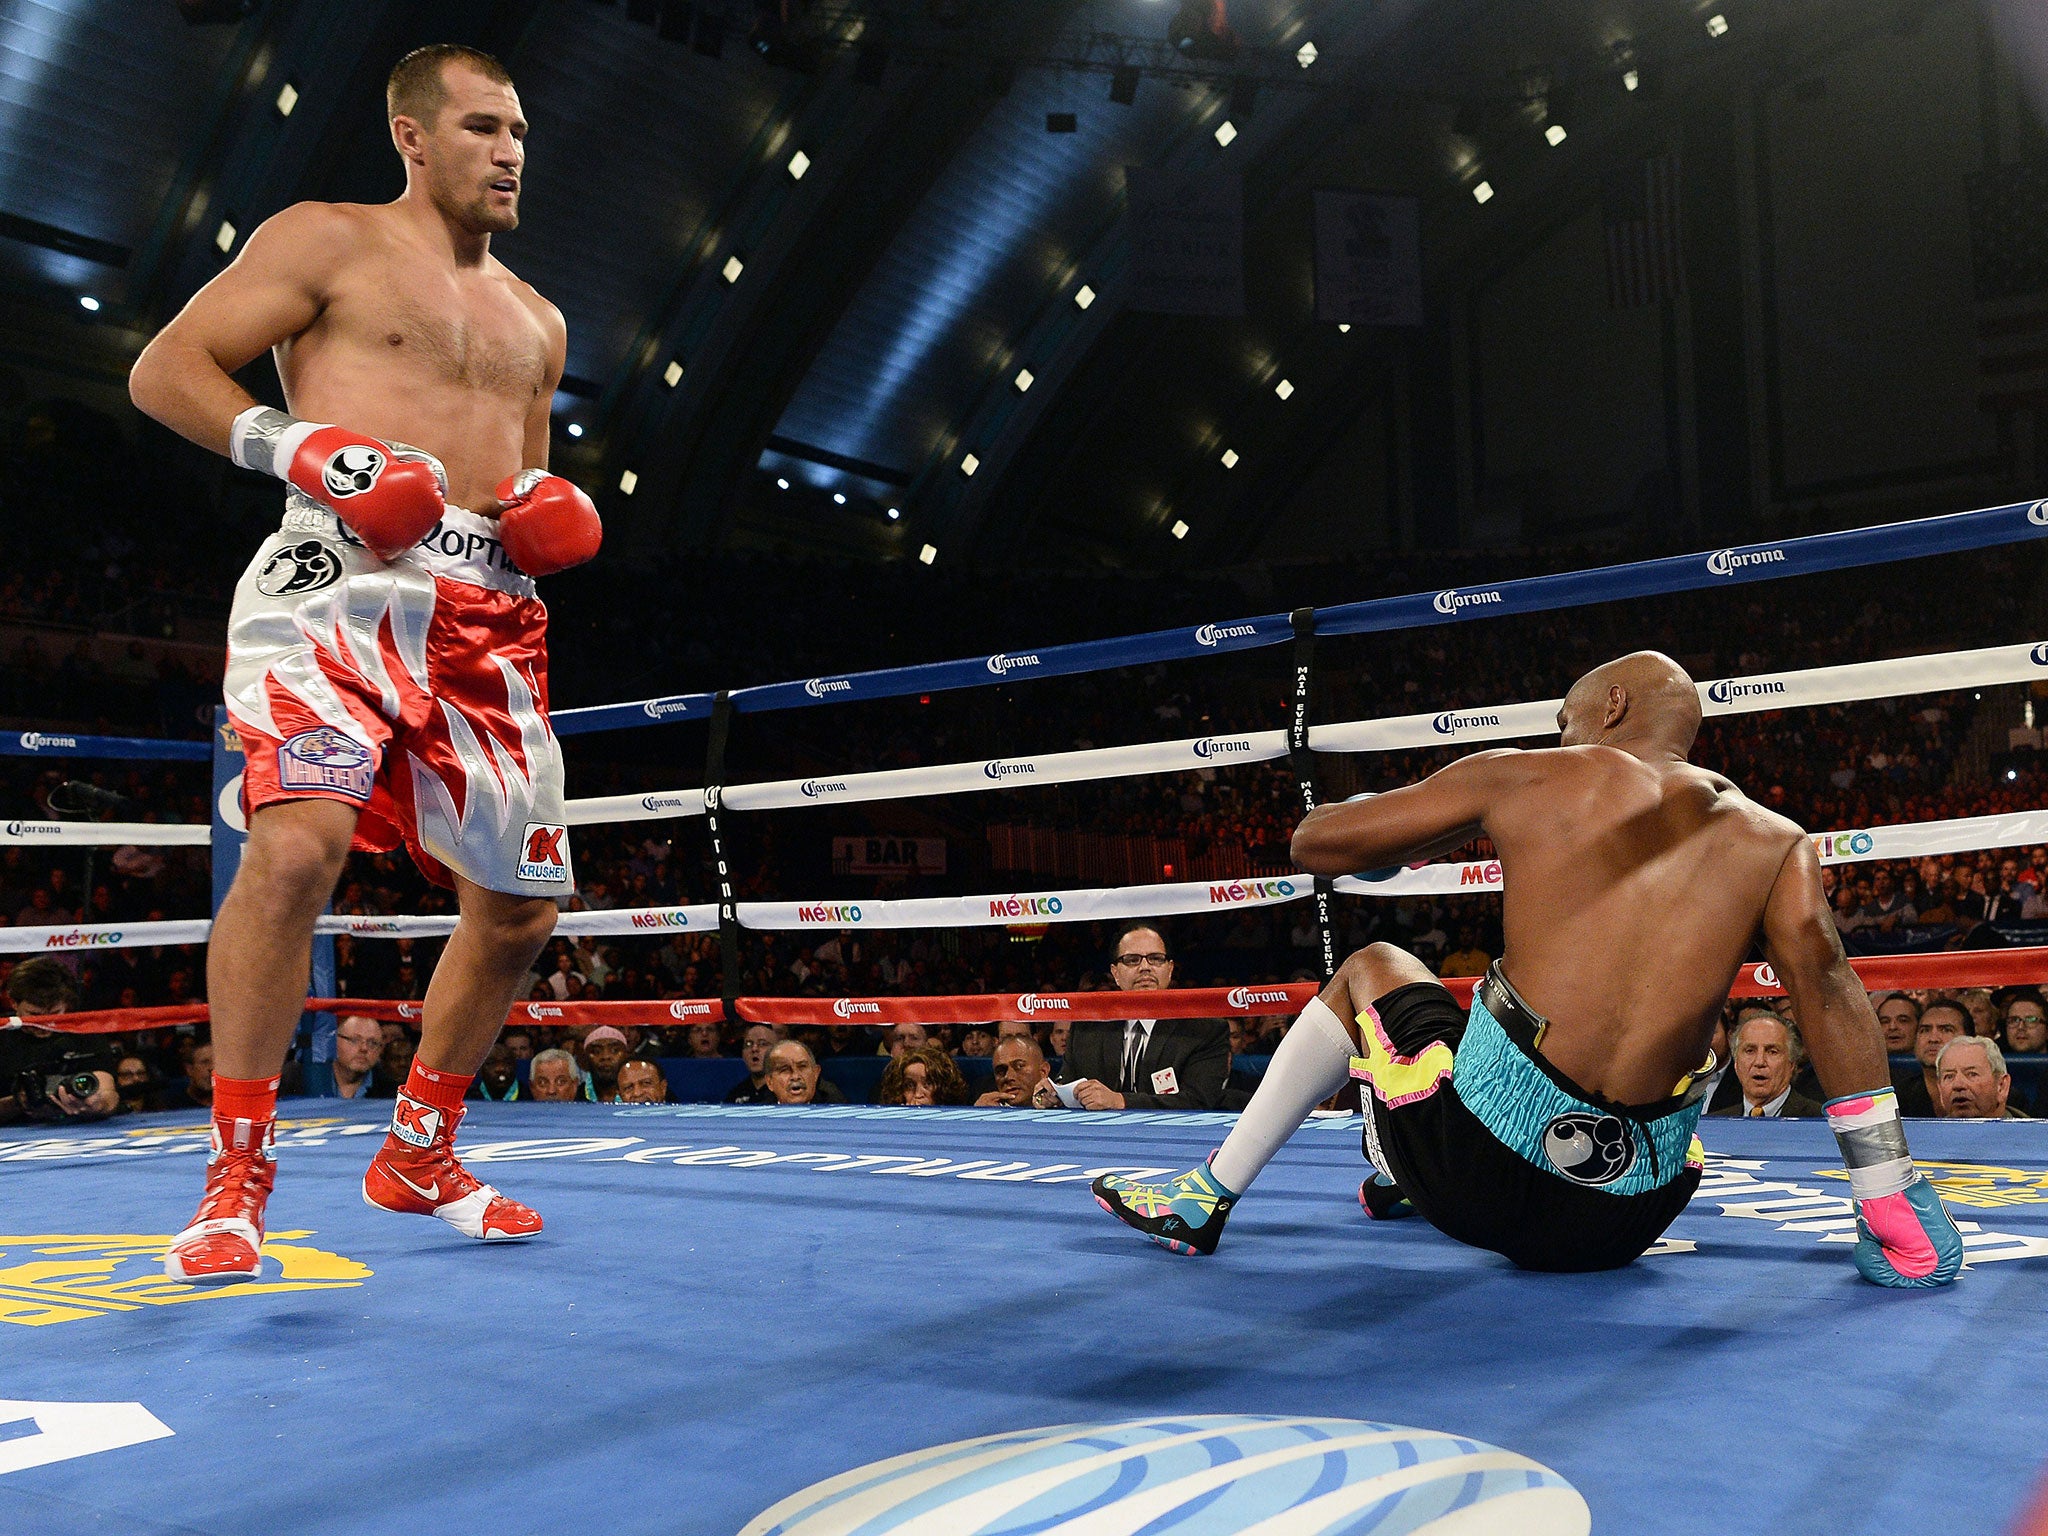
45	1075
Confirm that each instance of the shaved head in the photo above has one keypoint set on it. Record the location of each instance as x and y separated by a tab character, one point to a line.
1644	698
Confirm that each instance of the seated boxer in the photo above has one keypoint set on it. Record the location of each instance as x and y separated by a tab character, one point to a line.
1553	1122
387	653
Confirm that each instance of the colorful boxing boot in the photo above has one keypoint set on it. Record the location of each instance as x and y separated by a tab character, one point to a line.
1382	1199
224	1243
417	1173
1185	1214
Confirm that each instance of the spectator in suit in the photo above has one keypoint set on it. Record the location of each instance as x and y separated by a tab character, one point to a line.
794	1076
1898	1015
755	1045
921	1076
1767	1052
1145	1063
1973	1080
1020	1068
641	1082
1940	1022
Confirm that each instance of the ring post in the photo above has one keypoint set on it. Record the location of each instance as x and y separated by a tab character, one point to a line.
714	822
1303	762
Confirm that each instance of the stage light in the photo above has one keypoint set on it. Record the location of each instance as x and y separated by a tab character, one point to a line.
781	484
627	480
1283	389
1305	55
1483	193
925	557
224	237
1024	380
1225	132
1180	530
969	465
839	498
575	429
895	513
1554	135
88	303
732	269
798	164
287	98
1717	25
1343	327
672	375
1230	458
1084	296
1630	79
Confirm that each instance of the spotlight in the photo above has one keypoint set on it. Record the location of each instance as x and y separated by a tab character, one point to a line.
1554	135
798	164
1717	25
1343	327
1483	193
1230	458
781	484
1180	530
88	303
839	498
1283	389
1024	380
895	513
1225	132
926	556
627	480
732	269
672	375
1123	84
1084	296
1630	79
575	429
969	465
1306	55
287	98
224	237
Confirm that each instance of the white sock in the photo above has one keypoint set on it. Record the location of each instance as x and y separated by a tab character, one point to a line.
1313	1062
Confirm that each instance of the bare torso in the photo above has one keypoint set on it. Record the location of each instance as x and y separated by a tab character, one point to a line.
1633	892
410	348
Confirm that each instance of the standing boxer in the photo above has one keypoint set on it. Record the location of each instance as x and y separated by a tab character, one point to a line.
387	656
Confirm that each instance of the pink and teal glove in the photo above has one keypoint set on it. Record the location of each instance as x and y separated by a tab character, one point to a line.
1904	1236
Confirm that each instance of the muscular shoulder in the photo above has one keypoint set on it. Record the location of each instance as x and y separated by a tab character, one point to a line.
313	240
544	313
1766	827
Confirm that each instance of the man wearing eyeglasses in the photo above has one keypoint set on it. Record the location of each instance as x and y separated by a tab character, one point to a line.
1142	1063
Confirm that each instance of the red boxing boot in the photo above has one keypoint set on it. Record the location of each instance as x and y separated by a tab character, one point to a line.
416	1171
224	1244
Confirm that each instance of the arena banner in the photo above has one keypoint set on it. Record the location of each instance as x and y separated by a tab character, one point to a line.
875	854
1368	257
66	744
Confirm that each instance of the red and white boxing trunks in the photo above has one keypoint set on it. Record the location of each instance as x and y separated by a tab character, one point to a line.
416	689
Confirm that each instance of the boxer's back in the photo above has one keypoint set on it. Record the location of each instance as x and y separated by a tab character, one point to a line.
1633	891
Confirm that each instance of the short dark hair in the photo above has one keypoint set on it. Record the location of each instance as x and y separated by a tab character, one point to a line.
41	985
417	88
1141	925
1969	1023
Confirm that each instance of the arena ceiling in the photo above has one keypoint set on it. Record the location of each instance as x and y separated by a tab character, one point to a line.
858	331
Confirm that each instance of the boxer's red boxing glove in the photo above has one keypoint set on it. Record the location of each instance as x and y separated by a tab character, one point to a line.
548	523
389	495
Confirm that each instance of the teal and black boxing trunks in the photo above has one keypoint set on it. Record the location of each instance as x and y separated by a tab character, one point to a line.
1499	1149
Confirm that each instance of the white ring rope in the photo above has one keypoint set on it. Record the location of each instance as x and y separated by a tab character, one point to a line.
1967	834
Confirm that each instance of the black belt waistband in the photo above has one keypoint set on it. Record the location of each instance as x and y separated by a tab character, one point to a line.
1524	1026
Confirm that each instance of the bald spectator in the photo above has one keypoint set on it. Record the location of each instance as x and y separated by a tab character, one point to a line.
641	1082
555	1078
358	1043
1020	1068
755	1045
1973	1082
1940	1022
794	1077
1767	1052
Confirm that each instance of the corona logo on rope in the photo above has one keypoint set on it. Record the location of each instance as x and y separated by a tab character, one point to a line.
818	687
36	741
665	802
1031	1002
1250	997
1221	1474
69	1277
822	914
818	789
1026	906
1843	845
1765	976
1450	723
1216	634
846	1008
1726	562
661	709
35	829
691	1010
2037	514
543	1011
1221	746
999	770
1003	666
1452	601
1727	690
2039	655
1249	890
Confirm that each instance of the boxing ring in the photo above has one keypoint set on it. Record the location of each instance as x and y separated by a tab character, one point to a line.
788	1320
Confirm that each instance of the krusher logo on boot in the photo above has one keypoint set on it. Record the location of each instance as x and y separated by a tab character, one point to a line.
545	856
326	759
414	1123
